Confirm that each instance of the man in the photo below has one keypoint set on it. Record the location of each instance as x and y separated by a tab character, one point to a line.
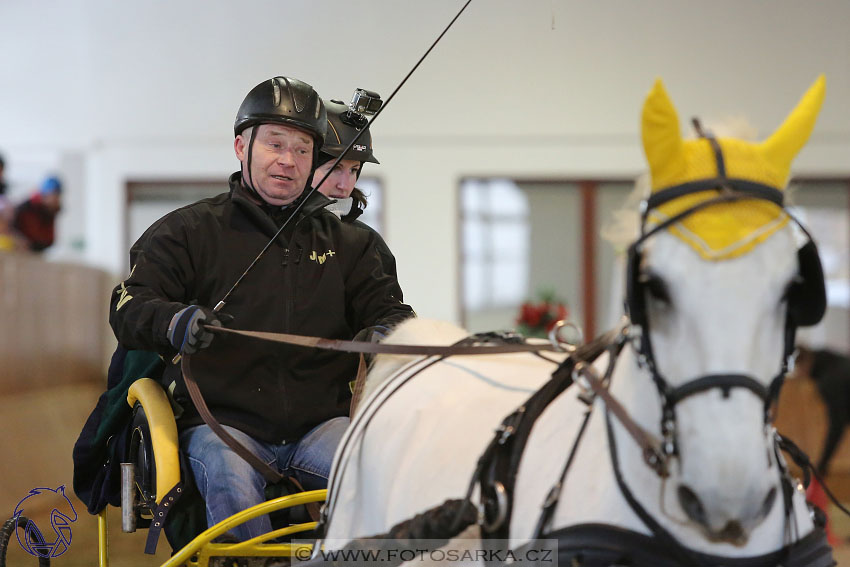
35	218
320	277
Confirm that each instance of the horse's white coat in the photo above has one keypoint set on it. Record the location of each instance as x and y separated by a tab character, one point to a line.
422	444
414	331
421	447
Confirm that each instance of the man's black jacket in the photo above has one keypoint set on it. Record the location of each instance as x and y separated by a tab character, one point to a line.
322	277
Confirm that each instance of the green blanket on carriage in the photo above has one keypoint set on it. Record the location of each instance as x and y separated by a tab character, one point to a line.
102	446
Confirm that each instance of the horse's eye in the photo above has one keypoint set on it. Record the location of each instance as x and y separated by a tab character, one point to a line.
656	287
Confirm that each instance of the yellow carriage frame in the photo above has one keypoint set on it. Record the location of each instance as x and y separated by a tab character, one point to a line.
163	434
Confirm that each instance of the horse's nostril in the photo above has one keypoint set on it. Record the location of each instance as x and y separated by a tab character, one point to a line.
691	505
732	532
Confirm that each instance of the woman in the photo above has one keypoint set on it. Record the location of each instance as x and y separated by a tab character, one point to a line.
343	125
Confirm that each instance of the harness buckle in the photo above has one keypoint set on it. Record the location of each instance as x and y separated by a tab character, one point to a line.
587	395
505	432
553	496
508	427
497	506
654	457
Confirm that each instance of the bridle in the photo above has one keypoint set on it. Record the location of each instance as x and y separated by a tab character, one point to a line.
498	466
806	299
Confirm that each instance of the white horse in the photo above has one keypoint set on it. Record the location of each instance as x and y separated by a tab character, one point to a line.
714	293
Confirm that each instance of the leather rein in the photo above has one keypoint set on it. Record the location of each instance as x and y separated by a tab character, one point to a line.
486	344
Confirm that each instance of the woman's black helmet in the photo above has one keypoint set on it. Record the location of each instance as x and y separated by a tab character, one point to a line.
283	100
343	125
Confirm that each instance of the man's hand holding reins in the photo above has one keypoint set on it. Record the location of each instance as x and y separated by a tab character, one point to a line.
188	331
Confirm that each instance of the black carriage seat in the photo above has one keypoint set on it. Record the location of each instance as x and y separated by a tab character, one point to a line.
159	473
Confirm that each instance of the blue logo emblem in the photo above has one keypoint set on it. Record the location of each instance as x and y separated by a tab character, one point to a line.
34	541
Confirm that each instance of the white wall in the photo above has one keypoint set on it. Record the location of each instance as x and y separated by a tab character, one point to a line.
106	92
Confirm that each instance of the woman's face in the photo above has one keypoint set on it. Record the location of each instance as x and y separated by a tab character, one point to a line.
340	182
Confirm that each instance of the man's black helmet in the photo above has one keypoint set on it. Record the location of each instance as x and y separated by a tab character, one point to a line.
343	126
283	100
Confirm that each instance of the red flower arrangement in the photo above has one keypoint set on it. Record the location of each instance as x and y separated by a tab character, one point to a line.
537	319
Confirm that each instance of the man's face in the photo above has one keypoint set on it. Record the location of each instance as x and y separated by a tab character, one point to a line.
280	162
340	182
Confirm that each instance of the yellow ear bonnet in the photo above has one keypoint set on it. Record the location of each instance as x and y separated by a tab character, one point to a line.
725	230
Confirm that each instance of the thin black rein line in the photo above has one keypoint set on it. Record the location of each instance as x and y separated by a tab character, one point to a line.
805	463
336	162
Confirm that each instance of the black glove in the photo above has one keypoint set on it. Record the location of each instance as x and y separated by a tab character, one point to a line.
187	331
374	334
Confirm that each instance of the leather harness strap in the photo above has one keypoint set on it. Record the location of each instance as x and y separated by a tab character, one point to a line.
649	444
359	384
498	466
382	348
271	475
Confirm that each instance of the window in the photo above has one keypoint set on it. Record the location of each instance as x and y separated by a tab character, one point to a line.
521	239
496	236
147	202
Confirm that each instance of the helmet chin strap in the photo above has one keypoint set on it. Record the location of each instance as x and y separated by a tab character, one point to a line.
249	160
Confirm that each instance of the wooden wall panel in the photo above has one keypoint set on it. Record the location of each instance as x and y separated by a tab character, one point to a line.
55	343
53	323
802	417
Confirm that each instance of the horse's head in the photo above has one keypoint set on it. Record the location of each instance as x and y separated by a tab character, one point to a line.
717	290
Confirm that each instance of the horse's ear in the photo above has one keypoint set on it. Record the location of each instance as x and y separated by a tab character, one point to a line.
662	139
783	145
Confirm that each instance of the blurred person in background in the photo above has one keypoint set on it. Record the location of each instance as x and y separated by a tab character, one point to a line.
35	218
10	241
2	178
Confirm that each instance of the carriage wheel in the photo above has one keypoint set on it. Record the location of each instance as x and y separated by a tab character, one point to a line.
6	535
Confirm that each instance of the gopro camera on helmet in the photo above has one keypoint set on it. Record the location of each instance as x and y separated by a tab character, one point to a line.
365	102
